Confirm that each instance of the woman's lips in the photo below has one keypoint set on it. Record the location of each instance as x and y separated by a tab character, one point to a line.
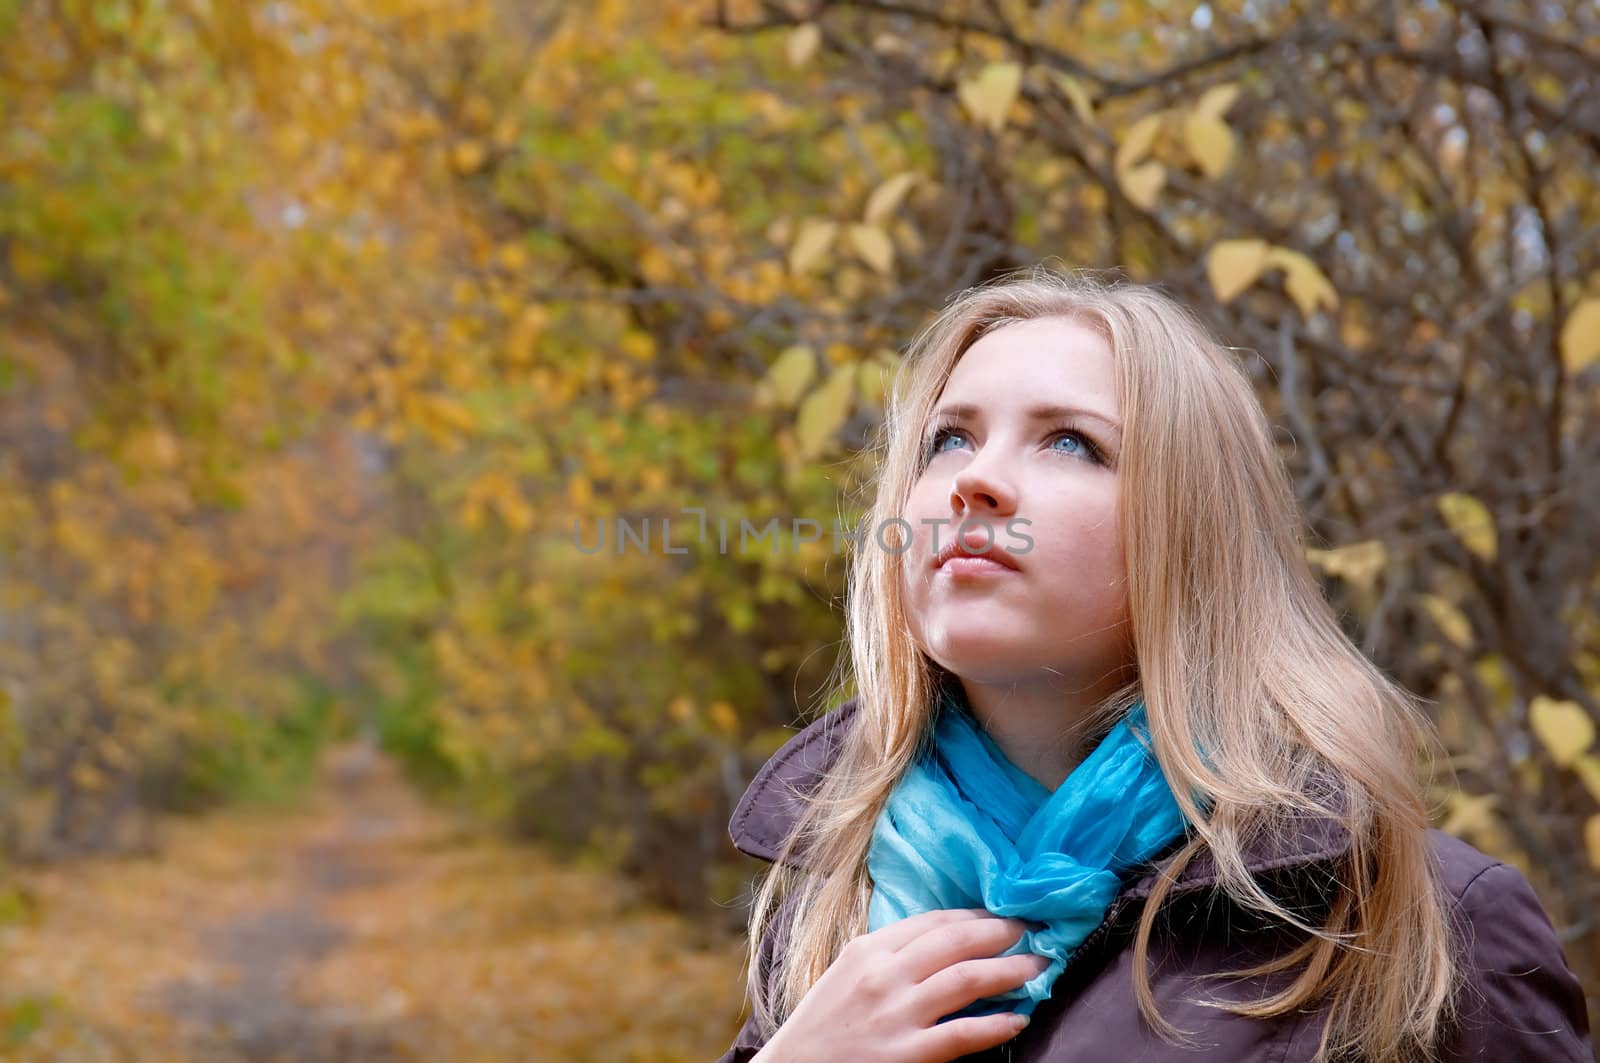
978	553
966	566
975	552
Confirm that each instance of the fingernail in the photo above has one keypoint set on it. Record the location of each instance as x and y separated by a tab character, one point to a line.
1019	1021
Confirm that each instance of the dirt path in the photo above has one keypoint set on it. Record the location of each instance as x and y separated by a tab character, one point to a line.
364	927
258	1015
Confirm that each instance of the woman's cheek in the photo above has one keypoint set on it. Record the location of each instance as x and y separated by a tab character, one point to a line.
914	596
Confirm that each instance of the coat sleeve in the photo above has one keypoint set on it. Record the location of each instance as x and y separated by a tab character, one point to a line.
749	1040
746	1043
1520	1000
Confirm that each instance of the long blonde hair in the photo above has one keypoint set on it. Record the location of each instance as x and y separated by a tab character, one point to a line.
1238	653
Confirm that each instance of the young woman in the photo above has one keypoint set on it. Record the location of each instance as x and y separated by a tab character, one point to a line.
1114	784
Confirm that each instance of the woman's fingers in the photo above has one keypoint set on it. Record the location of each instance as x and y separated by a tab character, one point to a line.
944	944
960	1037
879	992
896	935
958	985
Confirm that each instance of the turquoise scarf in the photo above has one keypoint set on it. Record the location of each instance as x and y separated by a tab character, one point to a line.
966	828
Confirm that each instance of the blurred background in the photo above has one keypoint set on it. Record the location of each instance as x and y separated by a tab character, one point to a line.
334	332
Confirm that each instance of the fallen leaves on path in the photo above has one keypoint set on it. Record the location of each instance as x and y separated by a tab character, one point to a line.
365	925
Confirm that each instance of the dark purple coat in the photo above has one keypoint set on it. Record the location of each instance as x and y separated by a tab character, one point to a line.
1521	1001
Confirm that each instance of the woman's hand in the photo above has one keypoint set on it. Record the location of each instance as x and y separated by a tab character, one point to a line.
881	1000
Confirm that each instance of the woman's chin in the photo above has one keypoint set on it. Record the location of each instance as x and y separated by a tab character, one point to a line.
984	656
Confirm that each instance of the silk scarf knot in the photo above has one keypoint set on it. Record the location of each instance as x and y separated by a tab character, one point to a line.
966	828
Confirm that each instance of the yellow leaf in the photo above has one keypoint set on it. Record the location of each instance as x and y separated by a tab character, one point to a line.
1471	522
1143	183
27	262
512	257
1137	141
1470	815
802	43
87	776
1492	673
513	508
989	94
652	479
525	333
877	375
450	413
1234	265
1452	621
638	345
152	448
1210	142
10	733
1580	336
1591	839
1307	284
791	373
874	246
887	197
723	718
580	492
655	265
1076	95
472	513
468	156
823	412
874	382
811	245
1588	769
1357	563
1216	100
1563	727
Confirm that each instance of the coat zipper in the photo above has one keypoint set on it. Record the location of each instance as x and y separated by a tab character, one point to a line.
1098	934
1085	948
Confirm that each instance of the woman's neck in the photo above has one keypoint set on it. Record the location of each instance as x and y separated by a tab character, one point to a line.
1042	727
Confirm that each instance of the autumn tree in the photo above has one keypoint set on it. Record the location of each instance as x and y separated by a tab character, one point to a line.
538	269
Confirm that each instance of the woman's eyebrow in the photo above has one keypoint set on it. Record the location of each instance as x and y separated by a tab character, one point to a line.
1045	412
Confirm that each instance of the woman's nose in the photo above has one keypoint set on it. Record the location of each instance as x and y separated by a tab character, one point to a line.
979	488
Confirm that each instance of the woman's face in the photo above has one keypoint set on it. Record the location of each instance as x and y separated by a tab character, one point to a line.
1023	446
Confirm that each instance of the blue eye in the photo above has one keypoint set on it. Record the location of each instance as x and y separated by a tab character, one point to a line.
1082	445
936	441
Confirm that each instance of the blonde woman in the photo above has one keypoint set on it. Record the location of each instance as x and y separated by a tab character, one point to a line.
1114	784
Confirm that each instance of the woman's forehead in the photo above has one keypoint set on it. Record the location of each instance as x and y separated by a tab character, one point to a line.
1031	365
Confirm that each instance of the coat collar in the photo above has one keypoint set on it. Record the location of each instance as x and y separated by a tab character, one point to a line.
775	797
